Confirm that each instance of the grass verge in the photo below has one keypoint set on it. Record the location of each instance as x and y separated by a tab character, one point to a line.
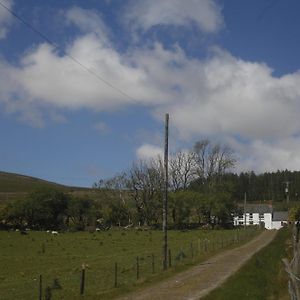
263	277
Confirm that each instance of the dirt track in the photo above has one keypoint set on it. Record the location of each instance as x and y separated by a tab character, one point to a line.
203	278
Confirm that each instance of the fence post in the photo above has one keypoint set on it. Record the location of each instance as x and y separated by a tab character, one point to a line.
82	281
170	259
40	288
116	274
137	268
153	264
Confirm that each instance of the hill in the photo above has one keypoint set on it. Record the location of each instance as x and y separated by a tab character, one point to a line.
17	186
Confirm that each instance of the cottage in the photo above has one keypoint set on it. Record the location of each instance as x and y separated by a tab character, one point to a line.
256	214
280	219
262	215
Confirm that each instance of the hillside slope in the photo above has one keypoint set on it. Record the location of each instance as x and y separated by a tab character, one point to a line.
16	186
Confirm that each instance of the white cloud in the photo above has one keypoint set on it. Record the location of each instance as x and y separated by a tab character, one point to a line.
226	95
6	18
222	95
89	21
148	151
219	97
263	156
206	14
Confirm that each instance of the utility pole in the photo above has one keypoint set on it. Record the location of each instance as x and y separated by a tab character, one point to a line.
245	201
287	183
165	199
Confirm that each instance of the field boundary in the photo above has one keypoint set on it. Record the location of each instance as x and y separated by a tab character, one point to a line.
200	280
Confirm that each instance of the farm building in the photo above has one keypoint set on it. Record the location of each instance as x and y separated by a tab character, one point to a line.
280	218
261	214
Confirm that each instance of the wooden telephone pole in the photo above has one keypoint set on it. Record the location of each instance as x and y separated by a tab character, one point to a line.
165	198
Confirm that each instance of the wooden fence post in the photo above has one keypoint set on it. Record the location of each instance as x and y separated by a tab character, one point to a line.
170	258
82	281
116	274
137	268
41	288
153	264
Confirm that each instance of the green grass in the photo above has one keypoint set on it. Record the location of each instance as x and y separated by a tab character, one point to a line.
263	277
22	259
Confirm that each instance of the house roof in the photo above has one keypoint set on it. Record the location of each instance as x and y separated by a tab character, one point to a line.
280	216
257	208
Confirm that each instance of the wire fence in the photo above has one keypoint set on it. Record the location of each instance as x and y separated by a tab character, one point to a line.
293	267
101	279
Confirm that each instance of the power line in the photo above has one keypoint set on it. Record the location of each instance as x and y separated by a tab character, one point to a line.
71	57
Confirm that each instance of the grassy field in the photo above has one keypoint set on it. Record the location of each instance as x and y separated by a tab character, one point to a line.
263	277
59	258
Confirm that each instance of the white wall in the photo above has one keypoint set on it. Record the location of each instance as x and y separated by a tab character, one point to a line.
254	220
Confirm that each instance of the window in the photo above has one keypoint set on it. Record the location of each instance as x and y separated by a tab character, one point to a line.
261	216
251	222
251	216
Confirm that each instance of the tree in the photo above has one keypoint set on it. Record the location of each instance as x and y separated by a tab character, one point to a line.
79	212
145	184
212	162
182	170
44	209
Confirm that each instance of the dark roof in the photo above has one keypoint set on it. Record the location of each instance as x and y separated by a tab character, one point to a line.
280	216
257	208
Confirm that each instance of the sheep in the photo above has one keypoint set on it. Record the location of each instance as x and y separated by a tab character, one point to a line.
54	233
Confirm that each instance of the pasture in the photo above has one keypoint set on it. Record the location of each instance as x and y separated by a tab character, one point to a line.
23	258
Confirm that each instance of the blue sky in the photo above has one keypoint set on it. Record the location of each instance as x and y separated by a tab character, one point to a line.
224	70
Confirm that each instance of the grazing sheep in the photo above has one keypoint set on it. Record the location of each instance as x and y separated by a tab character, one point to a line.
54	233
98	229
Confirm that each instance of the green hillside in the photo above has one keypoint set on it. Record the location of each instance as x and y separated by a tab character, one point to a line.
16	183
15	186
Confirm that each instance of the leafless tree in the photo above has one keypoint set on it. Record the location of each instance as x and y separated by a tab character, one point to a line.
145	184
213	160
182	169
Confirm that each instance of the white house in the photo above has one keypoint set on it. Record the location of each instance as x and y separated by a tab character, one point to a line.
280	218
260	214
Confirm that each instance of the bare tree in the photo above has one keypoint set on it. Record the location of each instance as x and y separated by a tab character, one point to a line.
146	182
213	160
183	169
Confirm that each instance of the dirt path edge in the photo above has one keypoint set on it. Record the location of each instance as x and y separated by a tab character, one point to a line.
200	280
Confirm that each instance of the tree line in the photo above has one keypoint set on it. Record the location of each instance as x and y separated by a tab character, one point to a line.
203	190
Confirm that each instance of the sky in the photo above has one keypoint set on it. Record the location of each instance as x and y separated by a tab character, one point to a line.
85	84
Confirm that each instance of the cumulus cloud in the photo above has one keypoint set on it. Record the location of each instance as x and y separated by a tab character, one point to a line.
89	21
264	156
148	151
221	96
205	14
6	18
227	95
215	96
